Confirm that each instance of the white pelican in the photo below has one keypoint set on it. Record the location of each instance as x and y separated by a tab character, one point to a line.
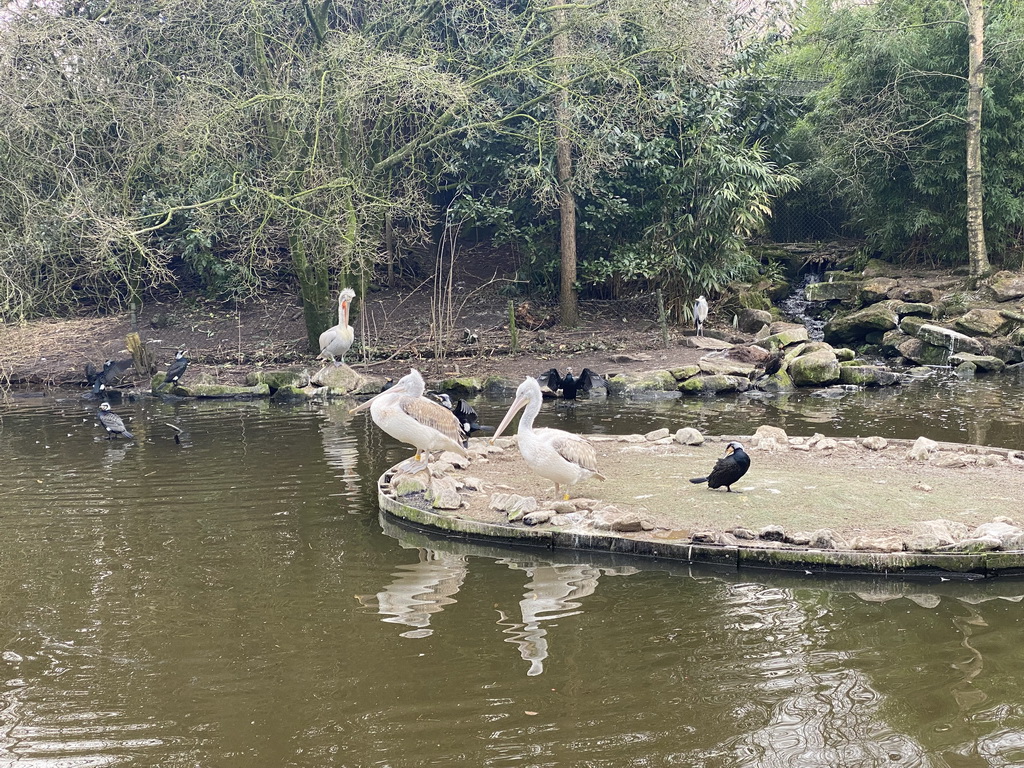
407	416
337	340
561	457
700	314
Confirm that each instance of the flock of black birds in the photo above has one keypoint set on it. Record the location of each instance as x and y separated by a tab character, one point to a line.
727	470
101	380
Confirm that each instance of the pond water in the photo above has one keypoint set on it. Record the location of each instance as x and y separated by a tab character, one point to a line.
235	599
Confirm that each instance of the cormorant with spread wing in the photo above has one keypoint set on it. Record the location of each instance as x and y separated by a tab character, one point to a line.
112	371
112	422
465	413
569	385
728	469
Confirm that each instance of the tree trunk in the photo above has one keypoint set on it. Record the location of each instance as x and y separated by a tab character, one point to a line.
977	255
568	301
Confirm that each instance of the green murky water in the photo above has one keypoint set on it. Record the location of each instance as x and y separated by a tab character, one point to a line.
236	600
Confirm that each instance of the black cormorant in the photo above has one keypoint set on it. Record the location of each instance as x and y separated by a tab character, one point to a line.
570	385
175	370
112	422
112	370
728	469
465	413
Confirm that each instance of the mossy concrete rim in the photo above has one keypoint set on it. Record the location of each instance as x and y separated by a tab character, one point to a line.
905	563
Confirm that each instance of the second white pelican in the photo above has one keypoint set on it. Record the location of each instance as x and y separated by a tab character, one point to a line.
407	416
562	457
337	340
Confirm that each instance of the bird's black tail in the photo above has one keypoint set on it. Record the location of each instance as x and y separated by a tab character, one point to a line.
698	480
128	434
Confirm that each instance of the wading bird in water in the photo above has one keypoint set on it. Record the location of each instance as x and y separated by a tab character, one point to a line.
337	340
562	457
570	385
728	469
112	422
407	416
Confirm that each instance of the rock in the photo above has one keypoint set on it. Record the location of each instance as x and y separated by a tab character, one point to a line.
1005	350
751	320
876	289
877	543
743	533
784	338
798	539
826	444
913	309
289	377
463	386
868	376
923	487
922	449
684	373
853	328
405	483
878	268
923	543
945	531
772	533
916	294
633	384
815	369
627	523
291	394
981	322
874	443
473	483
713	385
834	291
948	460
766	431
954	341
1009	536
844	354
688	436
1007	285
923	353
910	324
823	538
657	434
513	504
222	391
983	363
539	517
777	382
339	380
723	366
974	545
443	493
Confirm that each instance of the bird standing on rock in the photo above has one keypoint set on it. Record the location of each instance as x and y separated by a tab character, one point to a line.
337	340
112	422
570	385
111	372
700	314
728	469
175	370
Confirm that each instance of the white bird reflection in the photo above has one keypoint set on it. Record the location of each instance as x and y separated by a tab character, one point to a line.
420	590
341	448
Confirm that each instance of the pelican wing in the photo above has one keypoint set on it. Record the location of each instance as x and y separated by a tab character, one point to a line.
576	450
433	415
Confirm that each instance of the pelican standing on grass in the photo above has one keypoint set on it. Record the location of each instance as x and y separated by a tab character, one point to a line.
407	416
700	314
337	340
562	457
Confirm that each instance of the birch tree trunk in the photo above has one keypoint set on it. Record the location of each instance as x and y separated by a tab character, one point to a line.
568	301
977	255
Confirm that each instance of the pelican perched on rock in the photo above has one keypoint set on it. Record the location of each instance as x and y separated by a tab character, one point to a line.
700	314
337	340
112	422
562	457
404	413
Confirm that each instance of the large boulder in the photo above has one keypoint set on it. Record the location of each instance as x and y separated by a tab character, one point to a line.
904	308
839	291
853	328
713	385
815	369
952	340
715	366
752	320
982	322
275	379
1007	286
876	289
918	294
923	353
982	363
642	384
868	376
792	335
341	380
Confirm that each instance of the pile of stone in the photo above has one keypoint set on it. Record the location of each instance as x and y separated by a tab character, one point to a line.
927	323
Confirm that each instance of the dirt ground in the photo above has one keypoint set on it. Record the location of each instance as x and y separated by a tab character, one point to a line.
394	327
849	489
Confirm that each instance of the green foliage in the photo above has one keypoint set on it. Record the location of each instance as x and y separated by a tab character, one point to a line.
884	142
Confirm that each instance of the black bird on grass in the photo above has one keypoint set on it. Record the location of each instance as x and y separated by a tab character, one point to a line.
728	469
175	370
465	413
569	385
112	422
112	370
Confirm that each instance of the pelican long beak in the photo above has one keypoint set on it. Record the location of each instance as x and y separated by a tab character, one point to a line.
516	406
363	406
